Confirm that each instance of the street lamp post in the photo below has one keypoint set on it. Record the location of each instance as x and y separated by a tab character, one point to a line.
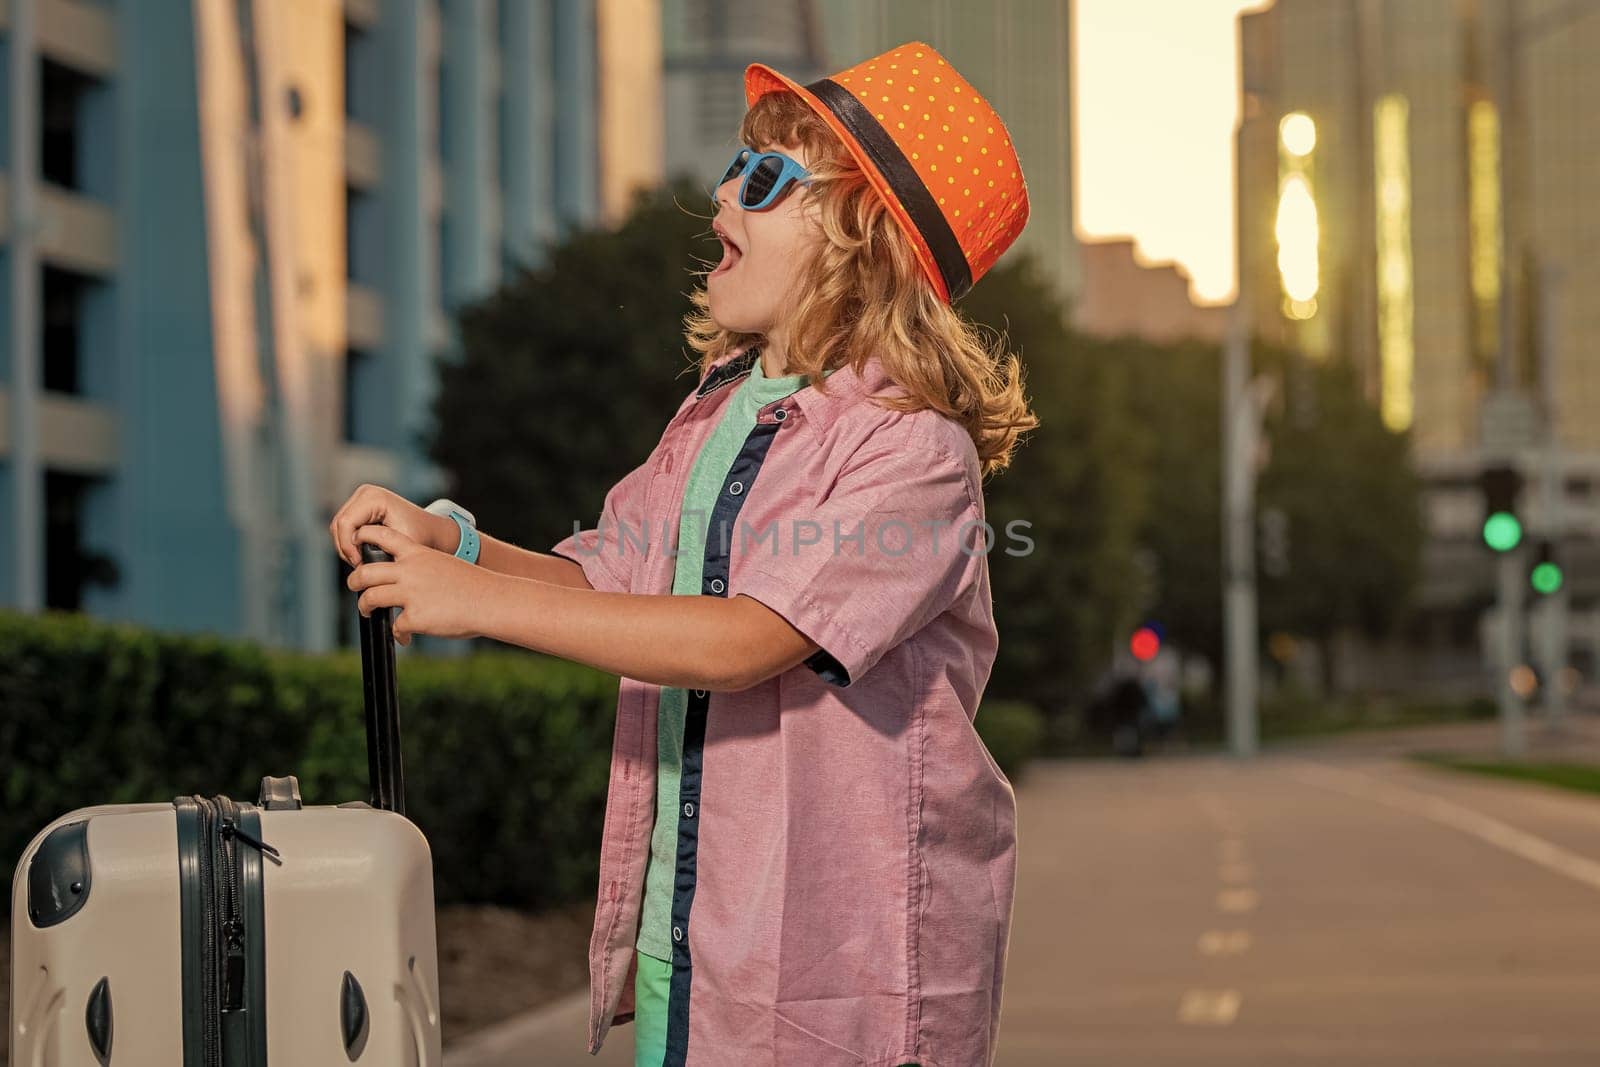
1554	607
1510	576
1518	34
1243	404
1241	434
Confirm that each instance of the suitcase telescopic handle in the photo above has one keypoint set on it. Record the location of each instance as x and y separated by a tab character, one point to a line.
384	768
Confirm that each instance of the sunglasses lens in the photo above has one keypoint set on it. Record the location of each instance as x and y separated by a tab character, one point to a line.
735	168
761	181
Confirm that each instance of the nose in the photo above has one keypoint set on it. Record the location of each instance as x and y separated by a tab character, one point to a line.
726	192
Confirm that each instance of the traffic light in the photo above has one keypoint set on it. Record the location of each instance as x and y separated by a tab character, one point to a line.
1546	576
1145	643
1502	529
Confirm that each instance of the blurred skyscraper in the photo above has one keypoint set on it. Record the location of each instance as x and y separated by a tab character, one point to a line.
705	45
1417	195
1017	53
1120	296
230	270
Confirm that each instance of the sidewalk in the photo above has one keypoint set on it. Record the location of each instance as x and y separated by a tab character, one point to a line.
1108	818
554	1036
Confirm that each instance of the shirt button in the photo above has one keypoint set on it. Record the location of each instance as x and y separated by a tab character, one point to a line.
677	933
780	414
736	488
717	585
688	809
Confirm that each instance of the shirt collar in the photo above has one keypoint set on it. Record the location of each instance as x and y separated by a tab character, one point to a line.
731	367
845	386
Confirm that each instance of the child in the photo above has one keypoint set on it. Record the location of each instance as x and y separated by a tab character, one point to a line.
808	855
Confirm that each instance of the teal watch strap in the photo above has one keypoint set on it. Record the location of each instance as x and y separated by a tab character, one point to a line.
469	544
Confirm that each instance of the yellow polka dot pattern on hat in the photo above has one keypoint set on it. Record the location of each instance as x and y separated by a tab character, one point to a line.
952	131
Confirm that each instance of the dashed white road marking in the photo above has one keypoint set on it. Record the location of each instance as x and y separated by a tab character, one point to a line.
1236	873
1209	1007
1238	901
1504	836
1224	942
1218	812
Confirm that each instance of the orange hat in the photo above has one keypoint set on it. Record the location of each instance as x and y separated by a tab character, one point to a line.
934	149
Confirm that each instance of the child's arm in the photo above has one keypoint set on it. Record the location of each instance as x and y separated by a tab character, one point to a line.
506	558
692	642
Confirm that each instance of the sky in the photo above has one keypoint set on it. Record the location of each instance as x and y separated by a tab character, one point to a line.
1155	100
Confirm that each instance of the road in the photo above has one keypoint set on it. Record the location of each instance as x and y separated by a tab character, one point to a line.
1330	905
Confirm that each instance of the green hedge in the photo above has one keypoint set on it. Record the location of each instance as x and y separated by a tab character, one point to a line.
1012	731
506	754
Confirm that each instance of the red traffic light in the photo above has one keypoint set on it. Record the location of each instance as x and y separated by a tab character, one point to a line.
1144	644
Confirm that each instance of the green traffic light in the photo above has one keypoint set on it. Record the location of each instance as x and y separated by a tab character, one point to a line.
1547	578
1502	532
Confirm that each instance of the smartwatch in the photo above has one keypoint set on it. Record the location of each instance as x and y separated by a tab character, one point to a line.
467	546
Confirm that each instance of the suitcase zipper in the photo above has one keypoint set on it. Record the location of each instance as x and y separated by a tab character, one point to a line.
222	929
211	1045
233	924
259	846
232	930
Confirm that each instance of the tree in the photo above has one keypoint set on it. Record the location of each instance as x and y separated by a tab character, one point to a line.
570	371
1175	400
1352	500
1339	477
1080	480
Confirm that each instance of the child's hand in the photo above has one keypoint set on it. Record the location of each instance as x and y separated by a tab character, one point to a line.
375	504
437	594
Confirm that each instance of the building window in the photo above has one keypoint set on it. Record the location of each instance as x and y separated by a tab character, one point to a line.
363	238
69	568
62	95
503	133
62	299
446	263
1396	311
360	369
1483	236
721	109
362	80
441	108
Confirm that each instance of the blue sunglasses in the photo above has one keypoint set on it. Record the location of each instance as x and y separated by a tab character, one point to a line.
766	176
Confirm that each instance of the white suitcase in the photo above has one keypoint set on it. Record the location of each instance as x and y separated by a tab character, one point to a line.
204	933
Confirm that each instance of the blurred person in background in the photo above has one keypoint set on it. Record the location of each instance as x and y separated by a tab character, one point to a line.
808	855
1162	677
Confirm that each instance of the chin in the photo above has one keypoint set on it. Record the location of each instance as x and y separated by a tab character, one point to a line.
728	317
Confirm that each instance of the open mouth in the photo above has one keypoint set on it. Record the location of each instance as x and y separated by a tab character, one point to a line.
730	257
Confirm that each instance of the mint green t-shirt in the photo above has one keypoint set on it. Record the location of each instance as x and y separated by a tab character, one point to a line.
699	497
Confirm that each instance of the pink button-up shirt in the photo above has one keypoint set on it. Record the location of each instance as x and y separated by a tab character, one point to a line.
853	852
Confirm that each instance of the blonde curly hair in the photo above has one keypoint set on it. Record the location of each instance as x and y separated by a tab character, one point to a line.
864	292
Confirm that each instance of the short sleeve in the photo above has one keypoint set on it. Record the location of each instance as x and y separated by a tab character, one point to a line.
894	544
607	551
